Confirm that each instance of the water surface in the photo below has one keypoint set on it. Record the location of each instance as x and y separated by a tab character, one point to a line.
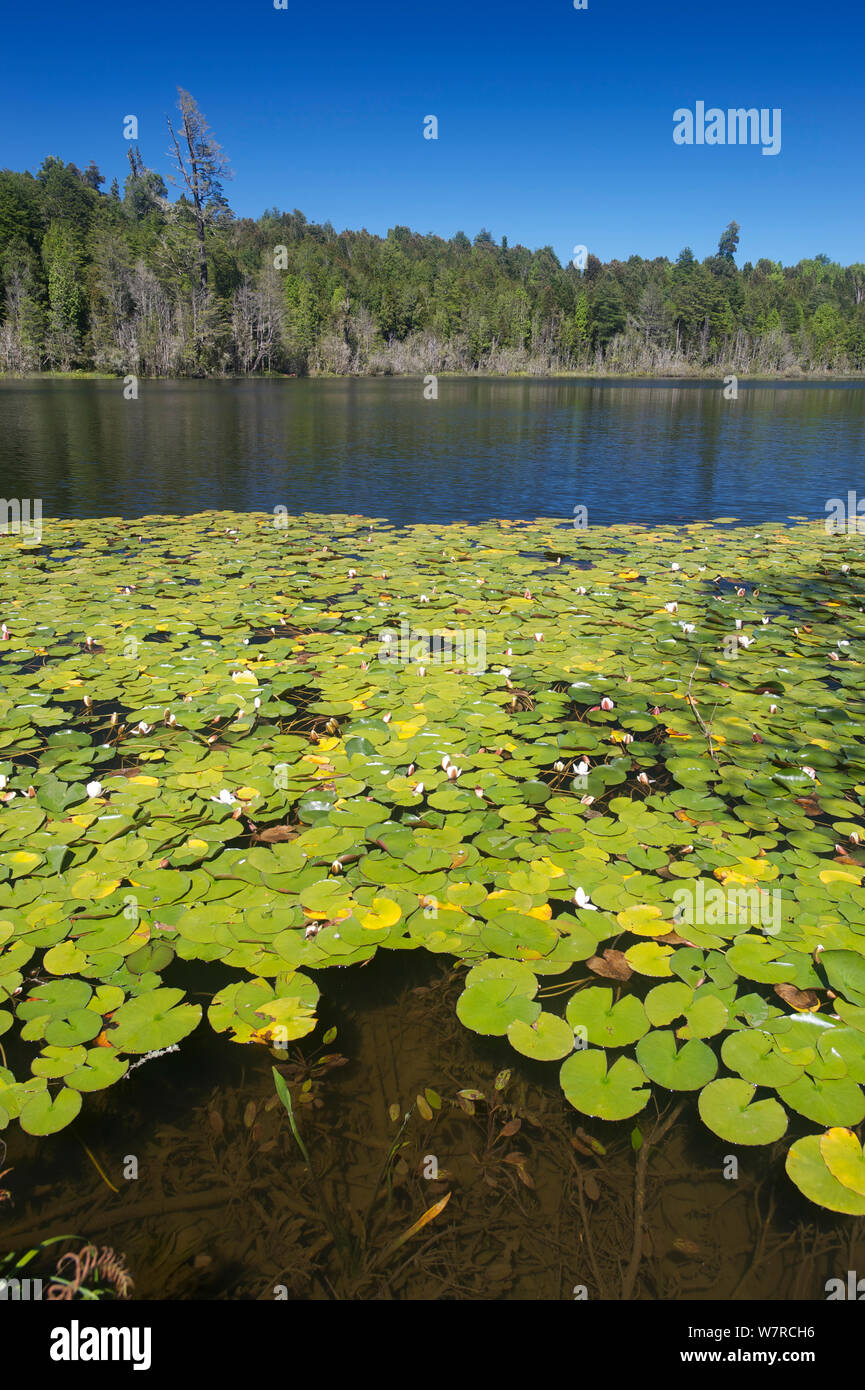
627	451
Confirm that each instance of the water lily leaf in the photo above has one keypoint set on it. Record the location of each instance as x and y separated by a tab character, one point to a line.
154	1020
547	1039
607	1024
844	1157
688	1069
44	1114
728	1109
806	1167
593	1090
490	1007
832	1102
751	1053
845	971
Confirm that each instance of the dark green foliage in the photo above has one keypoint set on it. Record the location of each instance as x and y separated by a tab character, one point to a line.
138	283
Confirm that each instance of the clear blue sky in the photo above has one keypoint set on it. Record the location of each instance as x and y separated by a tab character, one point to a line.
555	125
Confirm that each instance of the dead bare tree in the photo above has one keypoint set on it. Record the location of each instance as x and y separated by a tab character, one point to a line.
202	165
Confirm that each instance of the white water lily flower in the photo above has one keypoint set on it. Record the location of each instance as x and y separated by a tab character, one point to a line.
745	641
418	789
93	788
607	703
672	607
581	768
810	772
688	627
352	574
738	622
423	599
675	566
445	761
504	671
225	798
558	767
539	637
581	590
842	642
773	709
142	728
453	772
581	899
586	800
4	631
845	569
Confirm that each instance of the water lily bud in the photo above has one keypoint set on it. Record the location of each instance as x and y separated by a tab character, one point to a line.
607	703
352	574
581	590
539	637
644	778
854	837
810	772
773	709
738	624
627	738
833	656
558	767
586	800
656	710
527	594
4	631
336	867
423	599
386	718
113	719
421	670
444	763
93	788
3	781
675	566
845	569
740	593
672	607
453	773
504	671
256	704
509	652
364	665
418	789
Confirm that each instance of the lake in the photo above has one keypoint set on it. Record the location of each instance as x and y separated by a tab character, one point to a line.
486	448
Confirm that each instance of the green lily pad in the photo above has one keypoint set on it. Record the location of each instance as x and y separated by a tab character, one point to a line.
688	1069
727	1108
593	1090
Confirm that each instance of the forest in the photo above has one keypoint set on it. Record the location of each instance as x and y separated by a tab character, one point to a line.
133	281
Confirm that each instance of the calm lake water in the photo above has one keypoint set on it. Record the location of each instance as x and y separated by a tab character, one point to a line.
485	448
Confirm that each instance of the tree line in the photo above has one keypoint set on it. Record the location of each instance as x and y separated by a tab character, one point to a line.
134	281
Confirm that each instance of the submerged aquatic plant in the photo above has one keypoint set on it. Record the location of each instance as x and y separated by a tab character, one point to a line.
650	862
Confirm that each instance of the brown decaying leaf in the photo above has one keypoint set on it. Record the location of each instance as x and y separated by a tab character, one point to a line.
612	965
276	834
801	999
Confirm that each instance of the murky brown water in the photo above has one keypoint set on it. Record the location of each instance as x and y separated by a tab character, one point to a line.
224	1206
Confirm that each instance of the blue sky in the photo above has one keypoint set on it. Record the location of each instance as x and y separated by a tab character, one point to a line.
555	125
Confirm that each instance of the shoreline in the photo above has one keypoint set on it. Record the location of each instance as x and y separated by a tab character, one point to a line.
797	378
